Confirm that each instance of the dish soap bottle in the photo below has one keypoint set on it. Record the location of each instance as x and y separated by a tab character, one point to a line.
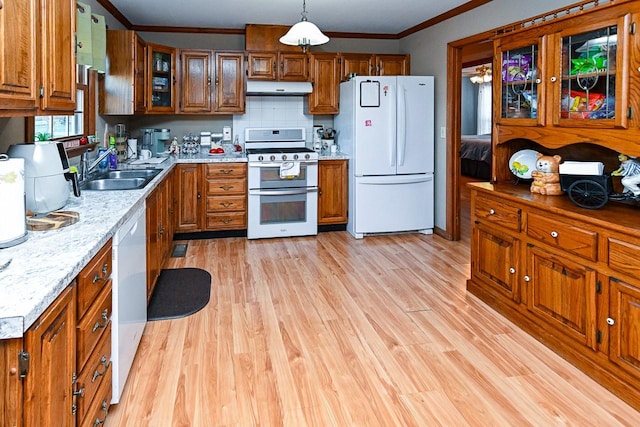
113	158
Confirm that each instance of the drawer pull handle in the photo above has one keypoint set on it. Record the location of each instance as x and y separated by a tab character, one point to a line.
79	392
610	321
527	278
105	268
105	318
512	270
106	365
226	171
492	212
105	409
226	187
97	278
554	234
226	220
225	204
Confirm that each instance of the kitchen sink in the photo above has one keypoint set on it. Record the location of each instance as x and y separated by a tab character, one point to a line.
130	179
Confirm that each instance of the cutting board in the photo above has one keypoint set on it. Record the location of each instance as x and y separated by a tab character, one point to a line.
52	220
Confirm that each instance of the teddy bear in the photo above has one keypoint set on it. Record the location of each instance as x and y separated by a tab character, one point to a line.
546	179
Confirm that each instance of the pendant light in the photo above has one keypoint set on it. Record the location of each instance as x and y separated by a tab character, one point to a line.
304	33
483	75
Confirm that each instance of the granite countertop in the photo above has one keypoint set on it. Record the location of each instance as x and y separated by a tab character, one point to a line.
48	261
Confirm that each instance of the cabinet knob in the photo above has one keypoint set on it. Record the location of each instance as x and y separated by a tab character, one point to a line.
492	212
512	270
79	392
527	278
554	79
610	321
554	234
538	81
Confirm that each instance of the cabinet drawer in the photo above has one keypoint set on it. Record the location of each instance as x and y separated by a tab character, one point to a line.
95	372
98	410
226	221
93	278
571	238
226	170
497	212
623	255
226	203
226	186
92	326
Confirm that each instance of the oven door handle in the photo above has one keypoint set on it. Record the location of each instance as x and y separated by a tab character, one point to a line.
278	164
283	192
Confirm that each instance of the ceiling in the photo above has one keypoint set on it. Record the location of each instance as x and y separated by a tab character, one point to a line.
331	16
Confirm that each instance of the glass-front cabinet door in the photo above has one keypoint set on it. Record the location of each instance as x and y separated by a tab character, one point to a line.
592	88
161	90
519	94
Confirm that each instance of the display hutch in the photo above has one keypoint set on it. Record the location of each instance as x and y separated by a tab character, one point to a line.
565	83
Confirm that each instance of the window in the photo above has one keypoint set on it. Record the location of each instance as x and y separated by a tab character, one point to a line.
81	123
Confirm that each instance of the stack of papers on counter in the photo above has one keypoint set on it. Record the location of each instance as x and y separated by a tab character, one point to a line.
581	168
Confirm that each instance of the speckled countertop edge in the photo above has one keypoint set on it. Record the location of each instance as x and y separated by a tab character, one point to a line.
48	261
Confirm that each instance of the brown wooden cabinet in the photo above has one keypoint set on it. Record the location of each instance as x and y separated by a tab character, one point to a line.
196	71
188	193
564	274
160	229
10	383
361	64
122	88
392	65
332	192
281	66
226	196
39	72
229	82
161	79
325	69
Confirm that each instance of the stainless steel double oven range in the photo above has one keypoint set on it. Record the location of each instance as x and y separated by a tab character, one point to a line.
282	183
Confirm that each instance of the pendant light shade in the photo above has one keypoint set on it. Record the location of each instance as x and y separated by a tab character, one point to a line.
304	33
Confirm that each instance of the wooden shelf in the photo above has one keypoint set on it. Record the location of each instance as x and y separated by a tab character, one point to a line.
77	151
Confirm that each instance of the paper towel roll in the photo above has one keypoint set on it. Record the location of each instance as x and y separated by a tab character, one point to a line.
132	149
13	224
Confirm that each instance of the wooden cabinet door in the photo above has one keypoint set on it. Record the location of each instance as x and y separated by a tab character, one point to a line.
18	53
10	383
359	63
170	222
562	293
51	344
57	55
392	65
495	261
195	81
153	241
140	75
229	82
262	65
187	188
326	86
332	192
624	326
161	79
293	67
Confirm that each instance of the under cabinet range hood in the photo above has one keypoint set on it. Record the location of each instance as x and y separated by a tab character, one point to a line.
257	87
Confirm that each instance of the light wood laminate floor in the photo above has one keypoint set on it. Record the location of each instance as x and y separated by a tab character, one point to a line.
334	331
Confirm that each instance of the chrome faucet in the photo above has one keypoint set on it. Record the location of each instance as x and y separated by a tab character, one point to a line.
86	170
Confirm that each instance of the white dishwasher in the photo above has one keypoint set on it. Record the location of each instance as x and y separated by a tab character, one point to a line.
129	315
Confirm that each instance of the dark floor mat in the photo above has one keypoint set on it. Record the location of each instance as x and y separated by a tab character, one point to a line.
179	293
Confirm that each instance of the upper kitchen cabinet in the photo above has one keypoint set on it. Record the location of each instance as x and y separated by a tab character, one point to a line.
325	69
392	65
229	82
196	71
281	66
570	82
358	63
38	55
161	79
122	88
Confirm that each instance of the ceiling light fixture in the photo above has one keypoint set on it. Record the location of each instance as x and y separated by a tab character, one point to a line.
304	33
483	75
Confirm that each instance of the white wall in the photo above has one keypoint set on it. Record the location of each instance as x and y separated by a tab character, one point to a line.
428	50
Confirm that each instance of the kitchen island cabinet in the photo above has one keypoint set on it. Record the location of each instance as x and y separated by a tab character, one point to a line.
564	274
332	192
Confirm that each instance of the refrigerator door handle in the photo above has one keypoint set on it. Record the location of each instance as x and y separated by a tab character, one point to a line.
394	179
401	124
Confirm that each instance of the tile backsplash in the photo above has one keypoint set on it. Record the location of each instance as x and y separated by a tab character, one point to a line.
273	111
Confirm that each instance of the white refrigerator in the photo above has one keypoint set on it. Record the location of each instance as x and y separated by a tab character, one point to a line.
386	127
